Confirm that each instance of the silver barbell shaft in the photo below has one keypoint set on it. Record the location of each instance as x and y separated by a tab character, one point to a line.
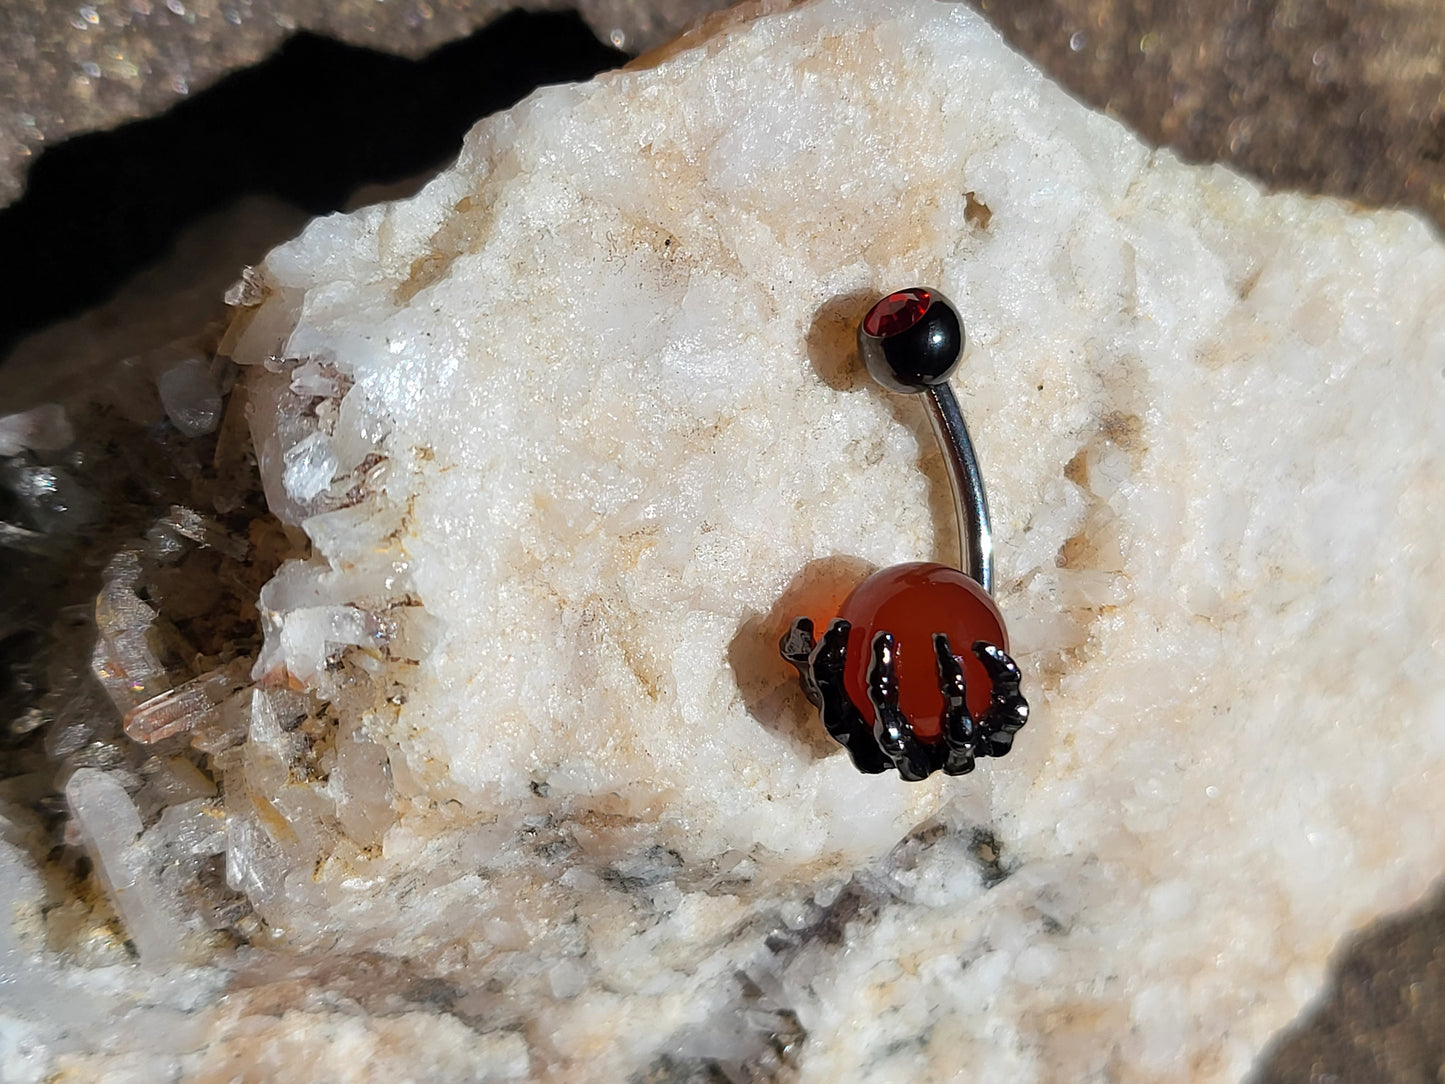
970	503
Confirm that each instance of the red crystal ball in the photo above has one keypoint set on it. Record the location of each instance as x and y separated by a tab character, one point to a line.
897	313
913	602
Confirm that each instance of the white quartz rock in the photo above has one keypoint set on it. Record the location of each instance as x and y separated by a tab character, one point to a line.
588	403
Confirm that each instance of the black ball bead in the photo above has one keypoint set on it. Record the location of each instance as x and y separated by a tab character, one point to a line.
911	340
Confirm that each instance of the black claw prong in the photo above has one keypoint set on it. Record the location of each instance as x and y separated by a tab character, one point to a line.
950	674
822	673
1001	668
883	672
1007	709
891	728
959	732
997	743
796	647
830	655
797	643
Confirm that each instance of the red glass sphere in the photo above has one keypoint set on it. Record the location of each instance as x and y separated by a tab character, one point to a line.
913	602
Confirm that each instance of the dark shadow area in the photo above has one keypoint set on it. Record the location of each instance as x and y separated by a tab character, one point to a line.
1379	1018
174	303
768	684
833	341
309	126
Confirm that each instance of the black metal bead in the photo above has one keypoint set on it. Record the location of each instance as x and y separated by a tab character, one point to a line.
921	355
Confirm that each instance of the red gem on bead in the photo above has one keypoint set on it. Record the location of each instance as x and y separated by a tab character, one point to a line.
897	312
913	602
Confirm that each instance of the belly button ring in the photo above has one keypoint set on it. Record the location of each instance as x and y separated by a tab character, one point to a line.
901	698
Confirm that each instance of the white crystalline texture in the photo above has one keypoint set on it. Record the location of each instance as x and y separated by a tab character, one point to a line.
49	1010
313	611
37	1010
255	865
575	432
314	379
41	429
190	829
310	465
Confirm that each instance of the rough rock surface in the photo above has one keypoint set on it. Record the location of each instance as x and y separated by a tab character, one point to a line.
1337	96
575	431
72	68
1340	97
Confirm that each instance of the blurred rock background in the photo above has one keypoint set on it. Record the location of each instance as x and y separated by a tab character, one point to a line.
149	148
69	68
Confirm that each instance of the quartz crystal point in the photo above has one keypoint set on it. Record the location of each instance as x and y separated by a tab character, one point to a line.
580	429
185	707
190	396
154	918
125	658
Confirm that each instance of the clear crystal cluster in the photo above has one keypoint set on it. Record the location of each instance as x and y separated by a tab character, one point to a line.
138	556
